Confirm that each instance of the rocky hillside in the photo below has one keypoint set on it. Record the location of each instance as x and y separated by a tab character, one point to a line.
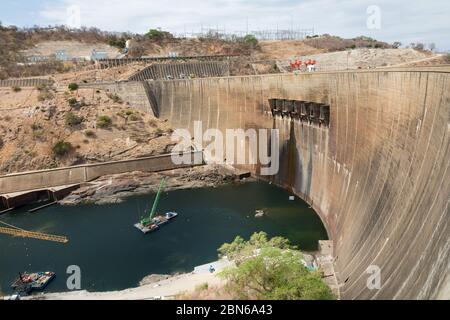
44	128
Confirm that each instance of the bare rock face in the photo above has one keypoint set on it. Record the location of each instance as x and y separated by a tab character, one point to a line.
49	112
153	278
124	185
115	188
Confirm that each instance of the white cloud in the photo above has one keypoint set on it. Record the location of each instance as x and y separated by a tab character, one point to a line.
402	20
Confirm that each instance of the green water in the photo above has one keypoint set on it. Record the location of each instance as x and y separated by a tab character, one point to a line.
113	255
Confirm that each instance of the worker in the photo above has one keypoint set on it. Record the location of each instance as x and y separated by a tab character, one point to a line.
294	65
313	65
298	64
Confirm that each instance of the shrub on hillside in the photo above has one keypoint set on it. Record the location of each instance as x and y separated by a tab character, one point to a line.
16	89
115	98
73	120
35	127
251	40
104	122
90	134
45	95
61	148
114	41
72	102
73	86
157	35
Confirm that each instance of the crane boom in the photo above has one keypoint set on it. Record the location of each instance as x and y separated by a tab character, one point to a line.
158	196
34	235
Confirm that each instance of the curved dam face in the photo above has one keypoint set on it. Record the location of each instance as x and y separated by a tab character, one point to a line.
378	176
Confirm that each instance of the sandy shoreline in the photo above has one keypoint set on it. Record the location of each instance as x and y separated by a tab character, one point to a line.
164	289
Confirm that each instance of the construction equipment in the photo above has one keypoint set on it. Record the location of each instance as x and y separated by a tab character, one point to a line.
18	232
152	222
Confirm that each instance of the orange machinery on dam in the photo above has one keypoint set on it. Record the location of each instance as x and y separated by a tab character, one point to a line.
378	175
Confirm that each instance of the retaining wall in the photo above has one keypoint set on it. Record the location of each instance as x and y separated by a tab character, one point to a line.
83	173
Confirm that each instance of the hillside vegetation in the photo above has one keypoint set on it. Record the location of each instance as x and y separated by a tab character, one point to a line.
158	43
43	128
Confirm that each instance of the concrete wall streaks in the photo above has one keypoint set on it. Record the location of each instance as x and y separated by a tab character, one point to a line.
379	176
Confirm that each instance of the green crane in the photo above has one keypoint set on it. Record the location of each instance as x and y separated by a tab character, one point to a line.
147	221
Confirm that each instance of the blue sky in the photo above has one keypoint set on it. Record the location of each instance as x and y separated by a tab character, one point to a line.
400	20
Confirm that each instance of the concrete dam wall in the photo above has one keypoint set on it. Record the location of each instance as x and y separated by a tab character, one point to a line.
182	71
378	176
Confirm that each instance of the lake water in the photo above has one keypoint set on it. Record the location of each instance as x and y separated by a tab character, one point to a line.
113	255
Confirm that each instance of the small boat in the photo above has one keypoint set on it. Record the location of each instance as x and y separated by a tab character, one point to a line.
153	223
28	282
260	213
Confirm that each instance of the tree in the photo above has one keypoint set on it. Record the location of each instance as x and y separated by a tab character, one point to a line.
270	269
251	40
432	46
157	35
396	44
417	46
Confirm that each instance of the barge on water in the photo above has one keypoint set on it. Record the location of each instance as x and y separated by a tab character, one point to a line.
152	222
28	282
156	222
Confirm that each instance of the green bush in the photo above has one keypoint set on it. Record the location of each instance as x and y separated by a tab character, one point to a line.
16	89
251	40
115	98
114	41
45	95
104	122
61	148
90	134
73	120
270	270
73	86
35	127
72	102
155	34
134	117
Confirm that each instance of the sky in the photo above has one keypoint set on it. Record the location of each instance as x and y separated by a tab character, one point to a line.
407	21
